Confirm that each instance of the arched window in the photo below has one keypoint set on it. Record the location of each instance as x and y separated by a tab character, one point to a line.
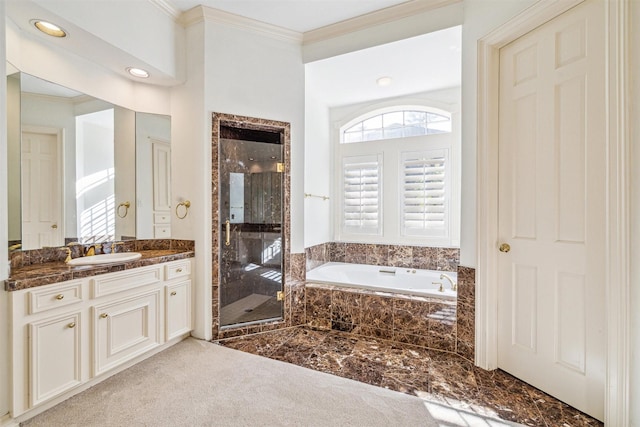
398	187
397	124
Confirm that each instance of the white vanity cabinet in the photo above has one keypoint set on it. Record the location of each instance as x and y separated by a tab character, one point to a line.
178	299
68	336
54	356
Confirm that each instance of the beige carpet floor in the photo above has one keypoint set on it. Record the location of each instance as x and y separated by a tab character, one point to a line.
197	383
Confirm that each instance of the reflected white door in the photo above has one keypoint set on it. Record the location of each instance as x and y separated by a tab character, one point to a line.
41	190
552	208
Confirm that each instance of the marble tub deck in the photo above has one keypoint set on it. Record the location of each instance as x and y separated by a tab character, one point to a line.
435	376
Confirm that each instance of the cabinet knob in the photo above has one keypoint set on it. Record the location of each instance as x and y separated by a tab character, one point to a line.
178	270
174	293
104	315
71	325
59	296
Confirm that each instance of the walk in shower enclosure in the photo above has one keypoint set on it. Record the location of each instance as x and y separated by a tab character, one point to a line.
251	242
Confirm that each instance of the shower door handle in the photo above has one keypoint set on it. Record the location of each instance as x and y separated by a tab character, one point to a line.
227	240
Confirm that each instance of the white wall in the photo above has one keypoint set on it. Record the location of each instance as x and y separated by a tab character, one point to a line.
250	74
59	66
318	171
191	170
133	33
4	273
635	223
480	17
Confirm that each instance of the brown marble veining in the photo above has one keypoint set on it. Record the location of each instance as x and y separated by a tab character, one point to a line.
46	273
427	258
466	313
435	376
425	322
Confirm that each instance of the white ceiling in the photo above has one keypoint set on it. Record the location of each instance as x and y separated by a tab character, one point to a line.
421	64
425	63
296	15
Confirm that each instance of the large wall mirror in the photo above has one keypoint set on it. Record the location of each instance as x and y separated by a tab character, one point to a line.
82	169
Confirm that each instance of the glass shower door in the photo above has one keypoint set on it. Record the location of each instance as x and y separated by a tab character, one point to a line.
251	233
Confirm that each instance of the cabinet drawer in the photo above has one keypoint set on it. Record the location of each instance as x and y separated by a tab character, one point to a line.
161	218
176	269
53	297
130	279
162	231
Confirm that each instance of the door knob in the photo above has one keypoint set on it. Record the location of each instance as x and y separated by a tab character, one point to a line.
54	226
504	247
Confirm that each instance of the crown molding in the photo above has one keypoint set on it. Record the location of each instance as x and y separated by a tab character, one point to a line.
167	8
379	17
203	13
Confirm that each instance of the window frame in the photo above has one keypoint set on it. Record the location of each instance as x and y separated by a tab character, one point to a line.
391	204
393	109
362	230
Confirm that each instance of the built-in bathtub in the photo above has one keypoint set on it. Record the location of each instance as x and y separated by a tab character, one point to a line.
395	280
391	303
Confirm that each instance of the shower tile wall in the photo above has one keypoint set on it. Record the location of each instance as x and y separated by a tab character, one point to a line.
294	264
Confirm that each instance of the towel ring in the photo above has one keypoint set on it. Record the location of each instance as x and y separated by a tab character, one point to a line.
187	205
126	206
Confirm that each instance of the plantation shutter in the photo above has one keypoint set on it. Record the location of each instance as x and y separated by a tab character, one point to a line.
424	190
361	194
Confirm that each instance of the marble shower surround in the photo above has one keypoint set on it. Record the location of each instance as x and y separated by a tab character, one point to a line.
293	278
426	258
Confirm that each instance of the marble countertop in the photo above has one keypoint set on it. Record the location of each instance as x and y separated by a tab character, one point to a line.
54	272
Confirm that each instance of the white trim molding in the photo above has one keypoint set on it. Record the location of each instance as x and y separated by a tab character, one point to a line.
203	13
618	193
372	19
617	397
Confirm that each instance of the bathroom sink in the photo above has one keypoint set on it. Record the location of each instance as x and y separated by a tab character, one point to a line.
105	258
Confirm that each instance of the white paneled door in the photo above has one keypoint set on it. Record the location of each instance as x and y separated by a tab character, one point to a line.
41	190
552	208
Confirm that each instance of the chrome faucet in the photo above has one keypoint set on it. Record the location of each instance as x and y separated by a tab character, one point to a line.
454	285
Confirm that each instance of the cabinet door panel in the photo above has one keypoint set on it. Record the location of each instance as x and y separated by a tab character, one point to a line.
54	352
125	329
178	309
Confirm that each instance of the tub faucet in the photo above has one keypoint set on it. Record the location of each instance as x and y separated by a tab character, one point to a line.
454	286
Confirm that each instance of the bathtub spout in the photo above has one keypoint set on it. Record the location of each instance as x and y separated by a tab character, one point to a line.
454	286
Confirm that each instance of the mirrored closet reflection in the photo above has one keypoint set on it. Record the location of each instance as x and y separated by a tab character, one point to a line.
251	216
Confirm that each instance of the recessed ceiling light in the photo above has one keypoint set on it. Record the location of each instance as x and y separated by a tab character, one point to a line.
384	81
49	28
273	157
138	72
251	158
